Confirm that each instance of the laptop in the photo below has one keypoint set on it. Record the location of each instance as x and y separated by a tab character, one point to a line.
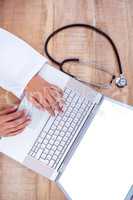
47	144
87	148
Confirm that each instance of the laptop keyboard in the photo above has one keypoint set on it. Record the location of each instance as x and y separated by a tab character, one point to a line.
59	132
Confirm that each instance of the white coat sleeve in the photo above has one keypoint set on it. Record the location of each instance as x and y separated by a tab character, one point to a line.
19	62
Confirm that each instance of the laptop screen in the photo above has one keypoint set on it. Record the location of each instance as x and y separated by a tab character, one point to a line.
102	166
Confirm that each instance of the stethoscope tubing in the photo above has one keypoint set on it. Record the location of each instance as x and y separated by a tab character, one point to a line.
97	30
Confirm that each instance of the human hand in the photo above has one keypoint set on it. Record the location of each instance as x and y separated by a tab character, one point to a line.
44	95
12	121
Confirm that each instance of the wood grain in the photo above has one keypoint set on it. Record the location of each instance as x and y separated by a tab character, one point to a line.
33	20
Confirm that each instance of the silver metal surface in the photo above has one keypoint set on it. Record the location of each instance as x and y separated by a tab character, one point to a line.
40	168
121	81
48	172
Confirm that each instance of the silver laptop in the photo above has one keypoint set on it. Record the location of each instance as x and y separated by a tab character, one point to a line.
48	143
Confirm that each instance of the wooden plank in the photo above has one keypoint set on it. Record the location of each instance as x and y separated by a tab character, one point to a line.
112	16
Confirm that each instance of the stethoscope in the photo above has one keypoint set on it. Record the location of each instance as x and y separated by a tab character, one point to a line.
120	80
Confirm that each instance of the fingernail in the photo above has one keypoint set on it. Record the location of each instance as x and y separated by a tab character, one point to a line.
63	108
15	107
25	112
61	102
52	113
39	107
28	118
56	112
28	122
61	99
61	105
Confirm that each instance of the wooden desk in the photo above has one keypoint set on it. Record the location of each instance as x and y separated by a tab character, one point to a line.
33	20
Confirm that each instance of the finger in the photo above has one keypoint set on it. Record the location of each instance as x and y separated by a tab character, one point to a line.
43	105
47	106
15	133
55	94
50	111
8	110
20	127
14	116
17	122
36	103
2	133
59	90
11	116
53	103
58	99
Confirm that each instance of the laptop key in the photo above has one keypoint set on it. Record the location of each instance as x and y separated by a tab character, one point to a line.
57	143
43	155
62	134
48	157
60	148
48	146
51	152
54	148
33	154
45	161
46	151
51	163
51	142
45	142
38	154
57	152
55	157
65	139
43	146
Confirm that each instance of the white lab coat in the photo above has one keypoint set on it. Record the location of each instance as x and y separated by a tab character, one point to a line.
19	62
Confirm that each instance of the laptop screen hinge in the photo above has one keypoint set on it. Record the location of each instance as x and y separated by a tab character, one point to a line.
98	98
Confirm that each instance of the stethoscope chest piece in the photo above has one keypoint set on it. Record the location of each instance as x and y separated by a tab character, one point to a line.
121	81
